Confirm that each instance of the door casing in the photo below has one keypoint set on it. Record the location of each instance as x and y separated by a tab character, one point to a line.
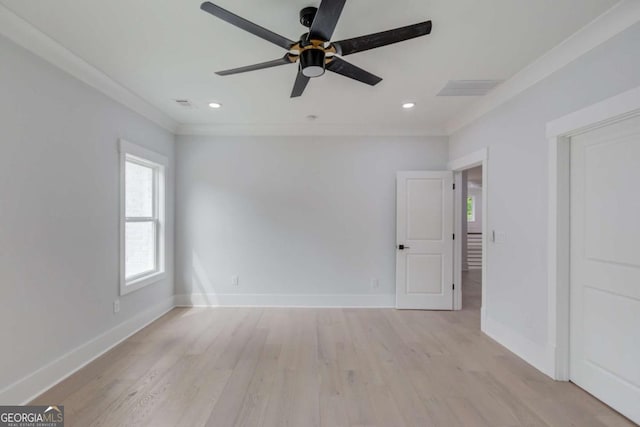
559	133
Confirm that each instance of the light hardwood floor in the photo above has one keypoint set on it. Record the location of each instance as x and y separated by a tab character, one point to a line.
328	367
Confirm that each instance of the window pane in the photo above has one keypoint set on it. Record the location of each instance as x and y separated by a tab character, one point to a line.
140	245
471	214
138	190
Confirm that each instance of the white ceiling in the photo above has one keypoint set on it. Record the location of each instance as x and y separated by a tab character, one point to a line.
167	49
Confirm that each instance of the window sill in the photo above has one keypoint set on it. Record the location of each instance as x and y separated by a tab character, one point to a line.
141	282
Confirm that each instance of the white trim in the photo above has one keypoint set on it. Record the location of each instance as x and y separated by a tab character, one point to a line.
559	132
142	153
28	388
540	357
477	158
458	266
29	37
606	26
469	161
280	300
558	242
141	282
305	129
160	163
597	115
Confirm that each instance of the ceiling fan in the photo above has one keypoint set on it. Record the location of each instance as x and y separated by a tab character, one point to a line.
314	50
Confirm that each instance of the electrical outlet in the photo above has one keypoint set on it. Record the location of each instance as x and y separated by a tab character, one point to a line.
116	306
375	284
235	280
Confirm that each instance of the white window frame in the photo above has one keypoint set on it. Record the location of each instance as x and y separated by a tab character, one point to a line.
130	152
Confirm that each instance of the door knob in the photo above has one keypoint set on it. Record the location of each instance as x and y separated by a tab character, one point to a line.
403	247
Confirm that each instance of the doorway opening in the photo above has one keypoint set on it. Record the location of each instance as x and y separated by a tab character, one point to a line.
470	244
471	236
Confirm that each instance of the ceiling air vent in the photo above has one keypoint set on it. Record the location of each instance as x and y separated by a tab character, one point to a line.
184	103
468	87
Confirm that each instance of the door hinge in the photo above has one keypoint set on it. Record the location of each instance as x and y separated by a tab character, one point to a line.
454	287
454	236
454	185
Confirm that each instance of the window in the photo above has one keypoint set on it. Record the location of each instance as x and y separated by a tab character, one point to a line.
471	209
142	228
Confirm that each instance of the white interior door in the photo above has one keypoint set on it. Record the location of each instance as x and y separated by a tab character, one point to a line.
605	265
424	252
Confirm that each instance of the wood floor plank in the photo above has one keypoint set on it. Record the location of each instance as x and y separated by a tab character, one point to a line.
320	367
234	395
259	389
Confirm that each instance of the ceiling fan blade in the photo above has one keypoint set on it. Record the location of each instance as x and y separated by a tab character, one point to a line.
346	69
326	19
287	59
372	41
249	26
299	85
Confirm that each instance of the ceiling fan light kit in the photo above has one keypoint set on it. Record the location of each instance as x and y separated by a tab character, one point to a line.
312	62
315	52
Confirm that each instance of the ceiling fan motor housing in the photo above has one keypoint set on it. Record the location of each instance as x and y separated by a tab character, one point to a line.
312	62
307	15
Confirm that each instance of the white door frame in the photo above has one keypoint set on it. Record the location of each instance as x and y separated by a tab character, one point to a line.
559	133
477	158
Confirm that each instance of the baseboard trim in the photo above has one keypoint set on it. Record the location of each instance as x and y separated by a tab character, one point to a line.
28	388
540	357
280	300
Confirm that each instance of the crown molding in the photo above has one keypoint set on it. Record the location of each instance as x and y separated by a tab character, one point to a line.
305	129
614	21
29	37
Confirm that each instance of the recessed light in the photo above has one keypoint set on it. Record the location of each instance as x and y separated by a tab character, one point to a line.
408	105
215	105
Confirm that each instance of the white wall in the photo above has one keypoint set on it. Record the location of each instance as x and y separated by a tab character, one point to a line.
59	221
292	217
516	305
